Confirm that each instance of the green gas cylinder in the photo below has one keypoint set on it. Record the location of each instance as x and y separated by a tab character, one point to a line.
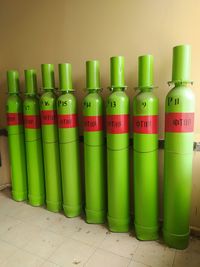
33	142
117	124
145	153
178	154
69	144
50	140
15	130
94	149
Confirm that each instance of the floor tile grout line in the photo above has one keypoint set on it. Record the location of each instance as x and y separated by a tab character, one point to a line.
48	258
31	253
21	249
84	264
93	253
174	258
142	263
134	252
65	238
48	261
105	250
129	263
13	253
23	246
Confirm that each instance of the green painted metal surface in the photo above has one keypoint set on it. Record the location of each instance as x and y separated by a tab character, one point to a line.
50	141
94	147
145	154
16	138
179	121
117	123
33	141
69	144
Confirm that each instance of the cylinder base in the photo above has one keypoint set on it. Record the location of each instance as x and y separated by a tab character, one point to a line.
93	216
72	211
52	177
176	241
118	190
36	200
146	233
54	206
18	166
118	226
146	195
19	196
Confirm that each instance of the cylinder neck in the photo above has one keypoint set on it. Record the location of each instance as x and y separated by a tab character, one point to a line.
48	81
92	91
115	89
64	92
13	82
31	94
178	84
145	89
48	90
13	93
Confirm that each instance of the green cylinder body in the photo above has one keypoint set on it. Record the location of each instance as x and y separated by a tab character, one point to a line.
179	119
94	154
145	162
33	142
15	130
117	123
51	151
69	154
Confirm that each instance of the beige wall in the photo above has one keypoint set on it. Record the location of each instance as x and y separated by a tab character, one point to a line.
55	31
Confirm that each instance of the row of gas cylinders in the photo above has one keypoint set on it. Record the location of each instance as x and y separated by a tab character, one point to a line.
44	148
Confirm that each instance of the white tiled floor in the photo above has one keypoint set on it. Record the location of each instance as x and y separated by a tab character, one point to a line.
35	237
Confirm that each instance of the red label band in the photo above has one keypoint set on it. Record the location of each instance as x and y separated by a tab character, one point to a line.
93	123
179	122
67	121
32	121
145	124
48	117
117	124
14	119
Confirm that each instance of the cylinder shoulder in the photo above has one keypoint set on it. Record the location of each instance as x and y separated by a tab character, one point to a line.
92	105
182	91
31	100
67	103
146	96
92	99
14	103
31	105
180	99
117	103
119	95
14	99
48	101
67	96
145	103
47	95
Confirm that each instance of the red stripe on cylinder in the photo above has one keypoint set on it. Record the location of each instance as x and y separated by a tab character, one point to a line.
145	124
179	122
93	123
117	124
14	119
67	121
48	117
32	121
